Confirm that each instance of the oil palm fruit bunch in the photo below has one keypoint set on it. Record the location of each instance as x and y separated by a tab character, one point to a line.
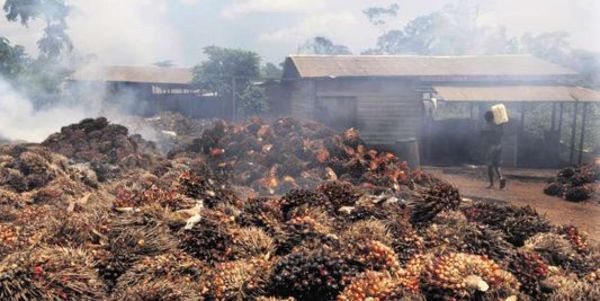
205	188
210	240
75	229
50	274
374	255
367	230
464	276
554	248
531	270
518	223
579	193
237	280
309	228
159	290
554	189
524	225
406	241
339	194
319	274
576	291
263	298
8	237
372	285
298	199
131	236
481	240
578	240
251	242
439	197
263	213
175	266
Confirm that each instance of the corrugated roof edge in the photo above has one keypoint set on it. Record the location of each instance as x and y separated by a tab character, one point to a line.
293	58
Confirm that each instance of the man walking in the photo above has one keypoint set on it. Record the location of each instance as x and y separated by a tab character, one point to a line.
493	140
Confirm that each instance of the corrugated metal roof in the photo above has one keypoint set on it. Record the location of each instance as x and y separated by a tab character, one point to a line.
314	66
154	75
517	93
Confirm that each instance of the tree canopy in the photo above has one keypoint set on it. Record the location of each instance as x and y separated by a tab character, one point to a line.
322	45
230	73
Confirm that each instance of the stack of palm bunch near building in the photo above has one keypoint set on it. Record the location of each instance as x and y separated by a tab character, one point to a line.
575	184
322	217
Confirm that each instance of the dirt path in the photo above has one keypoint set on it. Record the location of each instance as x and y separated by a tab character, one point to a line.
585	216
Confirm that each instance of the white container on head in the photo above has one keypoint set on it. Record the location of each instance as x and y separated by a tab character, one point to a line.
500	114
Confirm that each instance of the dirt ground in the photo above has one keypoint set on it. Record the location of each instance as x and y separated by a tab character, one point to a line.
585	215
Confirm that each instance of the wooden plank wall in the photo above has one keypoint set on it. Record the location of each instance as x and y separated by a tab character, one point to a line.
387	110
302	98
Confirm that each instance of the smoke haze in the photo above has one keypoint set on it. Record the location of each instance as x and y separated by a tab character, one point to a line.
140	32
20	121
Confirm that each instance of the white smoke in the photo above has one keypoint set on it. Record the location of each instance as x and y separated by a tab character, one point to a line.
20	121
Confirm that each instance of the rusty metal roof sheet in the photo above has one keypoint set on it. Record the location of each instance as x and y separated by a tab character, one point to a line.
153	75
315	66
516	93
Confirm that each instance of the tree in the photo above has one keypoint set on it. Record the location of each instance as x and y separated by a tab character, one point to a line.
378	15
226	69
54	13
164	64
271	71
450	31
322	45
13	59
253	101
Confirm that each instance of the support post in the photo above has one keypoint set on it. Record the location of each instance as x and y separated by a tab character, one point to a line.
553	125
520	132
583	124
573	133
560	117
233	100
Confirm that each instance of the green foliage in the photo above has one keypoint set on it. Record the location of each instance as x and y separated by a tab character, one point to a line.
252	101
322	45
164	64
271	71
224	67
378	15
450	31
12	59
227	69
54	13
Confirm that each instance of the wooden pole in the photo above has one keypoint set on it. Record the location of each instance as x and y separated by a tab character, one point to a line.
233	100
573	133
560	117
583	124
520	132
552	126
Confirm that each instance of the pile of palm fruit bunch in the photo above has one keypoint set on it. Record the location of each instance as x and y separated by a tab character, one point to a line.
106	147
574	184
288	154
181	229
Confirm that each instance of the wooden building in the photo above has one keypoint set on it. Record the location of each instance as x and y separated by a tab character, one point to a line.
148	90
386	97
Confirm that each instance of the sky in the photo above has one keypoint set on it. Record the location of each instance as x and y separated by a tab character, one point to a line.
140	32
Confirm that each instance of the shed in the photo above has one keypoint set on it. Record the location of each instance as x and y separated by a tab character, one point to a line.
149	90
385	97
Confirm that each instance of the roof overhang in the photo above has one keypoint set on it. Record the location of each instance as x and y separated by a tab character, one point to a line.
140	75
516	93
